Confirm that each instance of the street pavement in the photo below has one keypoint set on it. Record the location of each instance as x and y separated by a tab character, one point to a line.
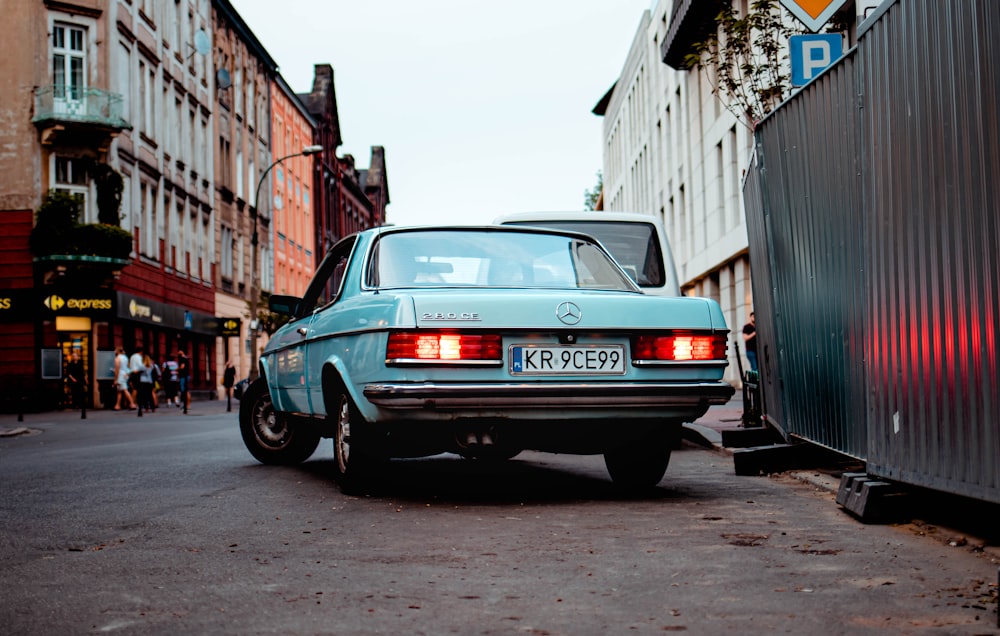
541	544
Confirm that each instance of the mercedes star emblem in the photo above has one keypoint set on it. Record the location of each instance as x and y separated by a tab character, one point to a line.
568	313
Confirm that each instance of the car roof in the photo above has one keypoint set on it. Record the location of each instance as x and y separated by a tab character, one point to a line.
580	215
495	227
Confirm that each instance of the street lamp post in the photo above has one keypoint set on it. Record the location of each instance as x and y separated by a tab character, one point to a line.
255	256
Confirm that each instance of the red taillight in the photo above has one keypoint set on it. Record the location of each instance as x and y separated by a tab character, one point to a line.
414	345
680	347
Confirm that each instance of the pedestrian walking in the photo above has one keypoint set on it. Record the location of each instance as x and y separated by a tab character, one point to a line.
157	374
183	377
750	341
170	388
122	379
145	385
228	380
76	381
134	367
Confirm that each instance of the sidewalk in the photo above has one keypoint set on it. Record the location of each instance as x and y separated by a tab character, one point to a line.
12	424
707	433
707	430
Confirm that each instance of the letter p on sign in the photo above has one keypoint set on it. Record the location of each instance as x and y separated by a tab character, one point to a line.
810	55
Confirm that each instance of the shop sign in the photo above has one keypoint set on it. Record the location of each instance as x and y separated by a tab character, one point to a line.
139	309
29	305
161	314
16	305
229	327
87	304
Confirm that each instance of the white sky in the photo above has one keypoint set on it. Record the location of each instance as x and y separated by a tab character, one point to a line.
483	107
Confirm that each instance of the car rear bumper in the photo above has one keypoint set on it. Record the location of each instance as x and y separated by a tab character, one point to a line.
550	395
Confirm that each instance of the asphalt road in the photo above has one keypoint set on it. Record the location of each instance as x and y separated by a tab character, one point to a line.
165	525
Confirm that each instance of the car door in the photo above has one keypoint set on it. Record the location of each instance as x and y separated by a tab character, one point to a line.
319	341
293	344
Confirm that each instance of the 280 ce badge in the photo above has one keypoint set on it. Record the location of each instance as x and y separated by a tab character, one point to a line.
450	315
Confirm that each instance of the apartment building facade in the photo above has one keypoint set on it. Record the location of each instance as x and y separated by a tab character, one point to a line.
291	198
162	63
149	123
347	199
244	72
672	149
107	102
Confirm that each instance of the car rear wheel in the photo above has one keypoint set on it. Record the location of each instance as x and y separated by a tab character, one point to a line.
270	438
641	464
353	451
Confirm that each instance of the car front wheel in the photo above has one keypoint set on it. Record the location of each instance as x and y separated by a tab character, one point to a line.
641	464
270	438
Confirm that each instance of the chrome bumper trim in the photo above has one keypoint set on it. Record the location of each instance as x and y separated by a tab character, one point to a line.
553	395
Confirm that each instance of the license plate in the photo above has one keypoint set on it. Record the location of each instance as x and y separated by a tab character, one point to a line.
567	360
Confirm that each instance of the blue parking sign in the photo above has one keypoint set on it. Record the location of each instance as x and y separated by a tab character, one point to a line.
810	55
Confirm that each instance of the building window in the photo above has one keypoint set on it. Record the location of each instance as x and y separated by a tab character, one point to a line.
251	103
168	223
146	108
69	66
252	175
225	163
239	174
227	244
194	160
148	223
238	90
71	178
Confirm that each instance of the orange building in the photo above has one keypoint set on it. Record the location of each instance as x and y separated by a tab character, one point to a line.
292	193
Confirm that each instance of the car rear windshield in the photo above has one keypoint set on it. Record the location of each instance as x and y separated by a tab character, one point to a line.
491	258
634	245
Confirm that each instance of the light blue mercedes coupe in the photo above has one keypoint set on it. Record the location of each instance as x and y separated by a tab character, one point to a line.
482	341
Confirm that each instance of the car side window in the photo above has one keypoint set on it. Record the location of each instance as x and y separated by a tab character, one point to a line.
326	285
331	287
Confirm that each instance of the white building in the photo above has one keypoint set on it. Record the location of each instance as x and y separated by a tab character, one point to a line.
672	149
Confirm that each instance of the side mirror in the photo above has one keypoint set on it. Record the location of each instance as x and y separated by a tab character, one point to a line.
282	304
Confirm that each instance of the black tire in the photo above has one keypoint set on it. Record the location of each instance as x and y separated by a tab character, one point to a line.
640	465
354	452
271	439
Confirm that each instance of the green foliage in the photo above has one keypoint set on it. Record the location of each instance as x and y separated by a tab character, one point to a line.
110	186
57	231
591	197
55	222
102	239
269	321
748	59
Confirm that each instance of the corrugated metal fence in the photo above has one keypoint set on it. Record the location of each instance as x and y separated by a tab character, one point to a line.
873	208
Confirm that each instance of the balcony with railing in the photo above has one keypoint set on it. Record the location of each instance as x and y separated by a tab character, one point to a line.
68	108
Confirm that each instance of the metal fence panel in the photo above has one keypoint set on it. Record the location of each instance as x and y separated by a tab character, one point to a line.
874	226
810	187
761	266
931	89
